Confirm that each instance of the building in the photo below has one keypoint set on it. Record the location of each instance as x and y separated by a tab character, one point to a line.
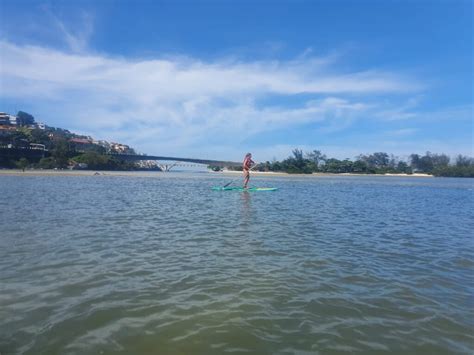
118	148
37	146
6	130
4	119
104	144
82	144
7	119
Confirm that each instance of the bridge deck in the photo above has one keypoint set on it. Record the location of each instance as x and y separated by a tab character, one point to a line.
221	163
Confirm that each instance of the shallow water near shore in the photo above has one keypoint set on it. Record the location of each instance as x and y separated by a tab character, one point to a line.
162	264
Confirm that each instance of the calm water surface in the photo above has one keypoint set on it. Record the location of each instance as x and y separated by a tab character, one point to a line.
163	265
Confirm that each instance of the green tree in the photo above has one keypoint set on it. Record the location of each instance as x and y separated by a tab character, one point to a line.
61	153
93	160
298	156
24	118
19	138
337	166
360	166
415	162
296	164
316	158
440	160
426	163
402	167
47	163
267	166
39	136
23	163
103	162
465	161
275	165
376	160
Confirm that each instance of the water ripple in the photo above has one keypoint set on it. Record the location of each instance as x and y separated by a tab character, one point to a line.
161	264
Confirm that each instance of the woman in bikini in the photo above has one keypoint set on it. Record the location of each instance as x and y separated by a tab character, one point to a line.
247	164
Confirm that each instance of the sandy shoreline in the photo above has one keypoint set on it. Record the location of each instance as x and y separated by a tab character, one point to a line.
33	172
18	172
271	173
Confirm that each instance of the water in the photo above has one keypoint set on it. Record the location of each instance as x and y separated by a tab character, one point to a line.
161	264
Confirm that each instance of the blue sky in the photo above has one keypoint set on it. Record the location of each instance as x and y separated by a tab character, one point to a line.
215	79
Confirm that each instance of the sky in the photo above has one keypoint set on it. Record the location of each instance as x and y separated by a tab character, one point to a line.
218	79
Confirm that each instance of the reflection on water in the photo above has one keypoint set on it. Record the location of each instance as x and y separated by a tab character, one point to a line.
162	264
246	207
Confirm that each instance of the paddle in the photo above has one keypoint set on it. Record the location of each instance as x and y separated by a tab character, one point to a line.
230	182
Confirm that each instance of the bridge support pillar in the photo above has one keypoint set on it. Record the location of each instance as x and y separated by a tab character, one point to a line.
166	167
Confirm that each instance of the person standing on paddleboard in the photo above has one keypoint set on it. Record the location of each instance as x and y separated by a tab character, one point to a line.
247	164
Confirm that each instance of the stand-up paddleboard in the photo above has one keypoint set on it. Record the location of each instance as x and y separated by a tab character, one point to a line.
250	189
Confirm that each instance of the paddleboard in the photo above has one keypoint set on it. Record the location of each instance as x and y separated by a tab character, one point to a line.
250	189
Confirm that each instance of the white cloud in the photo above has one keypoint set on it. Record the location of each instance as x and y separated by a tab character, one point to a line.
170	105
402	132
167	79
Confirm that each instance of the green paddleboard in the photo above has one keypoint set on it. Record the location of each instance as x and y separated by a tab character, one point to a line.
250	189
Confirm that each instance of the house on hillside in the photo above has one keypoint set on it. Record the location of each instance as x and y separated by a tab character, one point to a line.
7	119
118	148
4	119
82	144
6	130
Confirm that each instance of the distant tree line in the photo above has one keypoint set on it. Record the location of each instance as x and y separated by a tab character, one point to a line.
63	151
376	163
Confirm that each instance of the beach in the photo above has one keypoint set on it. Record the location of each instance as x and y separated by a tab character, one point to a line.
66	172
271	173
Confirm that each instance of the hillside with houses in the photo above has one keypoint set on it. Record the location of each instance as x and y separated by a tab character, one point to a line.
27	143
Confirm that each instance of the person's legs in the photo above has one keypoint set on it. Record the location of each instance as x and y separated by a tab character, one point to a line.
246	178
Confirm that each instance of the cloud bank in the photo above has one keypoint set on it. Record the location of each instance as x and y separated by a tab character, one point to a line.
183	105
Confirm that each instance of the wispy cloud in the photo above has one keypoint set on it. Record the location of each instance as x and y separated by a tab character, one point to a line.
184	103
76	40
402	132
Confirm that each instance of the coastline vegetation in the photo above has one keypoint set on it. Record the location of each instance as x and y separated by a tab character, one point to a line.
62	149
376	163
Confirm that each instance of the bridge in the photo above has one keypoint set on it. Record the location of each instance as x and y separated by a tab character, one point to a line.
176	161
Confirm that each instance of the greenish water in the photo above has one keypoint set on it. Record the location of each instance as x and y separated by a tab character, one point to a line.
164	265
